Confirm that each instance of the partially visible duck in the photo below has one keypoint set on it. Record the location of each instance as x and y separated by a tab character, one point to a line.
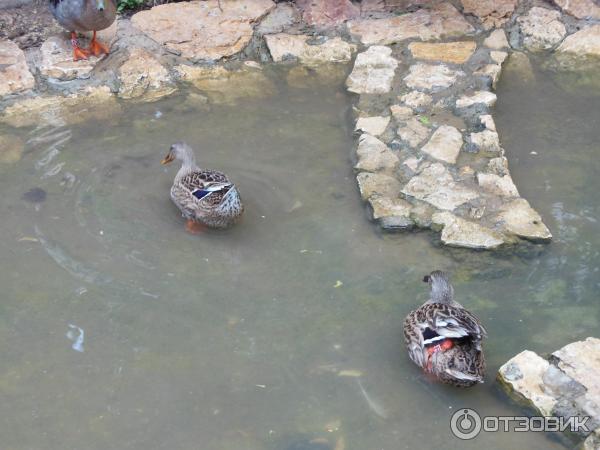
85	15
443	338
205	197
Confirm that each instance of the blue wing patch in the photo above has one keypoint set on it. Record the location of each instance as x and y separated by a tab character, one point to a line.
200	193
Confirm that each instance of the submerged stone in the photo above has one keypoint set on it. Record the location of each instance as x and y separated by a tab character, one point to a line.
35	195
11	148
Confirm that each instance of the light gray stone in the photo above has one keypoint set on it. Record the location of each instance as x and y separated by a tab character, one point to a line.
413	132
458	232
542	28
14	73
583	44
520	219
284	45
391	213
377	184
283	16
373	71
486	141
431	77
582	9
374	126
488	121
445	144
436	186
374	155
400	112
498	185
496	40
486	98
416	99
498	57
142	77
490	70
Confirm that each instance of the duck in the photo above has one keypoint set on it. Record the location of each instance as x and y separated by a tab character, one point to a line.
445	339
82	16
205	197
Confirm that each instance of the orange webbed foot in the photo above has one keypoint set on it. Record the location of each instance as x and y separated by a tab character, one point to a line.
78	52
194	227
97	48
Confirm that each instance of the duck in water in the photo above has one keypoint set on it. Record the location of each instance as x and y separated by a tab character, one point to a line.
443	338
85	15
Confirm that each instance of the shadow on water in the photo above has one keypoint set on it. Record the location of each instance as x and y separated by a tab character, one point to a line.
253	338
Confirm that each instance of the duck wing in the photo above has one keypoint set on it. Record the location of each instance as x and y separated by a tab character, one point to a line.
208	186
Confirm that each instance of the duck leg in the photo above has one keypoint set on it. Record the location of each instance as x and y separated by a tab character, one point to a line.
193	227
96	48
78	52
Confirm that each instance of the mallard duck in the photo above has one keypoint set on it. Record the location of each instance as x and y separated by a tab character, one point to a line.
205	197
443	338
85	15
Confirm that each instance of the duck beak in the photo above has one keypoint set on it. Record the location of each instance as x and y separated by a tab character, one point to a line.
169	158
426	279
100	5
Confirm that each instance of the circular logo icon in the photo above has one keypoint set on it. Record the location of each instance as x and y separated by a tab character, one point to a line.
465	424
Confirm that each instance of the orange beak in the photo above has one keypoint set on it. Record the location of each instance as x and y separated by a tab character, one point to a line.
169	158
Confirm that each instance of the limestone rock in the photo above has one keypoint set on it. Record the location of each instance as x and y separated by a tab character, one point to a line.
14	73
581	361
582	9
492	13
483	97
436	186
391	213
458	232
325	13
143	77
377	184
375	126
449	52
400	112
283	16
57	61
492	71
442	21
498	57
541	28
284	45
496	40
498	166
416	99
413	132
96	103
488	122
523	377
11	148
445	144
373	71
199	30
223	86
498	185
583	44
486	141
519	218
374	155
431	77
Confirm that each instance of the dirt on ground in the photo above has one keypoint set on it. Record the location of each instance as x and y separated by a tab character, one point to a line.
28	25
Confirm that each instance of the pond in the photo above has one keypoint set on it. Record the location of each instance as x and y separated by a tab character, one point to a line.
284	332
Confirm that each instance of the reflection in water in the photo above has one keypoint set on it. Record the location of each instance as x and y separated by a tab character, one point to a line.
285	331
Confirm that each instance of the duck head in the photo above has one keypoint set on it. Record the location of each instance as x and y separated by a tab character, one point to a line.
180	151
441	289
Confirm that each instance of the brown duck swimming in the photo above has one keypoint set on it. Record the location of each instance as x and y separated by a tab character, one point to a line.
85	15
443	338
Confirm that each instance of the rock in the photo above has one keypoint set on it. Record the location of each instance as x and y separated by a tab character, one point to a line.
498	166
57	61
223	86
583	44
282	46
94	103
449	52
480	97
582	9
496	40
11	148
593	441
416	99
374	155
375	126
373	71
490	70
445	144
458	232
541	28
282	17
498	57
391	213
307	77
565	386
487	121
520	219
498	185
413	132
443	20
377	184
519	65
492	13
143	77
14	72
400	112
436	186
486	141
326	13
199	30
431	77
523	377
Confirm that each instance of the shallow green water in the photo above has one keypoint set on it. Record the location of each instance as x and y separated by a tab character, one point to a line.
235	340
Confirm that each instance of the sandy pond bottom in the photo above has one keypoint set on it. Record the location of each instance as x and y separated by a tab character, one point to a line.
240	339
